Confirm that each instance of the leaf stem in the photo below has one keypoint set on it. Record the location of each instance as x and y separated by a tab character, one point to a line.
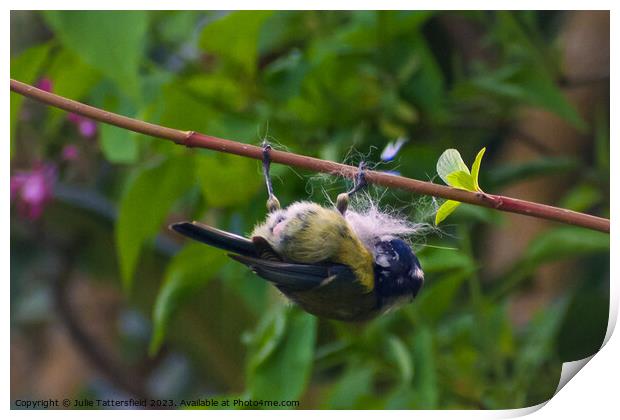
194	139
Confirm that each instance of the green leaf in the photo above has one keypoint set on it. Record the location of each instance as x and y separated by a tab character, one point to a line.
198	106
477	214
530	84
25	68
400	354
475	168
565	242
425	379
450	161
189	270
284	372
445	210
283	77
435	260
353	385
71	78
234	38
601	137
227	180
111	41
143	207
581	198
462	180
268	335
220	89
512	173
553	245
435	300
196	114
540	90
584	326
427	85
118	145
178	26
454	172
539	339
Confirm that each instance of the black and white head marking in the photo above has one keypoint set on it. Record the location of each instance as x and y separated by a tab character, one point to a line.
398	274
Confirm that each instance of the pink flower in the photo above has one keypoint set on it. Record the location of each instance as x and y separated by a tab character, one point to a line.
70	152
33	189
86	126
45	83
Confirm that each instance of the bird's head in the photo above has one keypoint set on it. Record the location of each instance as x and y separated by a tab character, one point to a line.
398	274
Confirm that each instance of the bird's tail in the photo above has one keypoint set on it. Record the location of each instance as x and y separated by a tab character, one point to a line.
216	237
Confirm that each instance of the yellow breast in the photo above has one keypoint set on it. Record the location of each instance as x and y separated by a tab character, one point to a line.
309	233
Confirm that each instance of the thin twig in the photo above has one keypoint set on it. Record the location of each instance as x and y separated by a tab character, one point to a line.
193	139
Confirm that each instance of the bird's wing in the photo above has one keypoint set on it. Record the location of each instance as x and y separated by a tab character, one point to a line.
264	251
262	259
216	237
297	277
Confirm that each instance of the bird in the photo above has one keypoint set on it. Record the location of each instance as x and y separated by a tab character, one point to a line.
330	261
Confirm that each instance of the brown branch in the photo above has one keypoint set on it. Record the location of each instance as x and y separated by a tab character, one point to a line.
193	139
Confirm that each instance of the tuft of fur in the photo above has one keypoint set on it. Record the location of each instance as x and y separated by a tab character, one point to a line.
371	223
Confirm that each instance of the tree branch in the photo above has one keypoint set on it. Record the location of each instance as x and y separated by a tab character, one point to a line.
193	139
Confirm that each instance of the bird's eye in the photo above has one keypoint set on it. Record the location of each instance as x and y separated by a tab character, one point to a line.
385	255
279	219
397	271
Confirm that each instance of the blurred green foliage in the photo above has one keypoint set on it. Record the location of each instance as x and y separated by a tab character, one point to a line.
332	85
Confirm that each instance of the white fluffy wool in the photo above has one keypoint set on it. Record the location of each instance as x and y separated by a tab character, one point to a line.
371	224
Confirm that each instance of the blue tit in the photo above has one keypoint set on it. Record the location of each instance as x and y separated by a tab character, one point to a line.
315	256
